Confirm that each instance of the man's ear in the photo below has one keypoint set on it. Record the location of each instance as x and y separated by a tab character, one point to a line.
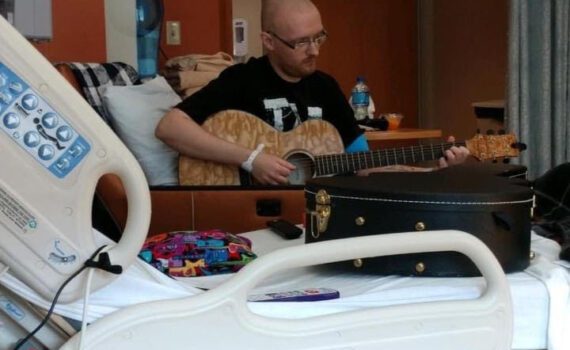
267	41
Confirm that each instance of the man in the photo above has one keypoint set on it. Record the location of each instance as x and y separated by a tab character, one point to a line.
284	88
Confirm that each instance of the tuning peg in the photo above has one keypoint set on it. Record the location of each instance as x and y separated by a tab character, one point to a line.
519	145
502	132
490	132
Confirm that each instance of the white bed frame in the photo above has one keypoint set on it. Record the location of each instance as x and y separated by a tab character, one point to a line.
221	319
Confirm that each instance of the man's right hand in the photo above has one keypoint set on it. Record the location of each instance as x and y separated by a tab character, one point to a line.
271	170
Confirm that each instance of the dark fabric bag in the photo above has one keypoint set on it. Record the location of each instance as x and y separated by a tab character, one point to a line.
495	209
553	206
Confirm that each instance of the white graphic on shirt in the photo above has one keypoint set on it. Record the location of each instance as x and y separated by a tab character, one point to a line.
278	119
276	103
284	114
315	112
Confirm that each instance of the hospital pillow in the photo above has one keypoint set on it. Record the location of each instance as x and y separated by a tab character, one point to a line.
135	111
201	253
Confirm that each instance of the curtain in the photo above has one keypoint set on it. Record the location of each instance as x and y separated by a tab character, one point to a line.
538	103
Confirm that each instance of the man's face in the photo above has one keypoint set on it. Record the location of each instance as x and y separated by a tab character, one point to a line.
291	45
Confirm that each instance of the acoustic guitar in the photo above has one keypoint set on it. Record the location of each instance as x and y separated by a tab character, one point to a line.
316	149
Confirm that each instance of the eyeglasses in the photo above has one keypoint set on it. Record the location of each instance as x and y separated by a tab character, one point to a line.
304	43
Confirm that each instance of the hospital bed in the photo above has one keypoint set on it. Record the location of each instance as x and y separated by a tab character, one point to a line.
539	298
44	239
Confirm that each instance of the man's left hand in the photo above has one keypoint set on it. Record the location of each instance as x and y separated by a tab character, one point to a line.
453	156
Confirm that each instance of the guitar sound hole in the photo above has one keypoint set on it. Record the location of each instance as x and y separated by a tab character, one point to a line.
305	168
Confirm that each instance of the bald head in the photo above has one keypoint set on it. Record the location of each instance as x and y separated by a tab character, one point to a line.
274	13
284	23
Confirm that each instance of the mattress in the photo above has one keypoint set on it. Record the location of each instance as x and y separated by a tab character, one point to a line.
539	294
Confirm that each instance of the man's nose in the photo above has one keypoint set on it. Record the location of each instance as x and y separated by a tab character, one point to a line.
313	49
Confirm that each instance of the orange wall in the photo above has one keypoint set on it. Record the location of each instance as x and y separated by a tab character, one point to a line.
79	29
377	39
469	61
78	32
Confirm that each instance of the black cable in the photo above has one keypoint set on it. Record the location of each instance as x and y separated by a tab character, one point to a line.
88	263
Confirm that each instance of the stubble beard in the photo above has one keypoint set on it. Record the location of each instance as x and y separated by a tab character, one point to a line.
305	68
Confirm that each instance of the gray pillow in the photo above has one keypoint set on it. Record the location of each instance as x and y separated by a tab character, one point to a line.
135	111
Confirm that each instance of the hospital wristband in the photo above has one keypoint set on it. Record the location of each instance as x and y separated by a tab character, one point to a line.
248	164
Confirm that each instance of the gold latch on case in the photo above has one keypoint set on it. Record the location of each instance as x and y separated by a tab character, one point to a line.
360	221
358	263
420	267
420	226
322	212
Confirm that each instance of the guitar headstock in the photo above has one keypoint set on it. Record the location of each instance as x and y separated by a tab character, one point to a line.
484	147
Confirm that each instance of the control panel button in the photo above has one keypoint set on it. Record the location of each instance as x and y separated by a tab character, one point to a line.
63	164
5	98
29	102
46	152
50	120
16	87
76	151
11	121
64	133
32	139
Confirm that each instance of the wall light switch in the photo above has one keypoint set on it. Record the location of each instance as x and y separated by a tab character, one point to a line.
173	33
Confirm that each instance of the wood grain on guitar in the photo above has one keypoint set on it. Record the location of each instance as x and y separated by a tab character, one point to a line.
316	149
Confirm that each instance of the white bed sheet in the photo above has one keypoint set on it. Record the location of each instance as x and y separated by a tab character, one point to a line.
540	294
531	291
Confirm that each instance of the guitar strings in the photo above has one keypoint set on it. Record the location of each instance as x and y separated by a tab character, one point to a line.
391	156
391	153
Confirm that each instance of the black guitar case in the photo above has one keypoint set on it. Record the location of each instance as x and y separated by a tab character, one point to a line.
473	199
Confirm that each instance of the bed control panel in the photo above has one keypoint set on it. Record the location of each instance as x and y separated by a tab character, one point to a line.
35	126
54	149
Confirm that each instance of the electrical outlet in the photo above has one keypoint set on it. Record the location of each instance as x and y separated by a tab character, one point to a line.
173	33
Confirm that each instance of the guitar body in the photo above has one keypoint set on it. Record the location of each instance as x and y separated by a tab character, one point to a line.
320	137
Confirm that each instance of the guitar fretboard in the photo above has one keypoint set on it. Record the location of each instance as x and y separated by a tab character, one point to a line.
350	162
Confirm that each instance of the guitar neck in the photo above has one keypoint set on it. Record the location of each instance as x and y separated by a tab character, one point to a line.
350	162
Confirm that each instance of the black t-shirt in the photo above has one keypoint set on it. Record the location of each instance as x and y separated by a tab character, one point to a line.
254	87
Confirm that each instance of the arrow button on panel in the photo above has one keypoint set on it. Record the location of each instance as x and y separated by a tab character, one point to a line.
50	120
32	139
11	121
30	102
64	133
46	152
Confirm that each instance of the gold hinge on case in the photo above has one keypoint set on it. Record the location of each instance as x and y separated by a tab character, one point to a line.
322	212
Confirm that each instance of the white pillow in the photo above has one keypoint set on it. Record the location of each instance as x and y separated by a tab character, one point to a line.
135	111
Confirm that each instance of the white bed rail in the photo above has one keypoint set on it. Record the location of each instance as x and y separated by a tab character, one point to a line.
221	318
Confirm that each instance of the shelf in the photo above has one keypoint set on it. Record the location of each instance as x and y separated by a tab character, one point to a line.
403	134
493	109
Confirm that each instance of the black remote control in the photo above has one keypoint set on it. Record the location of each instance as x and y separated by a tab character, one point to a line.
284	228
